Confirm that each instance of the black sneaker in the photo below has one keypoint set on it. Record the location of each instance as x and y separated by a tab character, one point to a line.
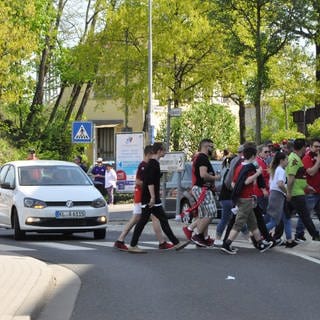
264	245
316	238
277	242
254	242
228	248
300	239
291	244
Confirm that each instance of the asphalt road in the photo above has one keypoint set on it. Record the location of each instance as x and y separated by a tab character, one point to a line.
192	284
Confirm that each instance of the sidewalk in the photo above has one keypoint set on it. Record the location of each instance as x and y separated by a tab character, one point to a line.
32	289
24	283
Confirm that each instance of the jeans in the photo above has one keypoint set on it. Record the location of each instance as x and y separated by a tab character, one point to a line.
313	203
110	194
226	215
262	202
299	203
287	226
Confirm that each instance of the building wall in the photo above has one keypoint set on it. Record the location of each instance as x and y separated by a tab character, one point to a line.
109	118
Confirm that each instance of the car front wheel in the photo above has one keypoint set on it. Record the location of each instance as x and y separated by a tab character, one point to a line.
99	234
18	233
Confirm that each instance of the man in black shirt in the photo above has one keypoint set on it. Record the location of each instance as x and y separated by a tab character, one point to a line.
203	188
151	202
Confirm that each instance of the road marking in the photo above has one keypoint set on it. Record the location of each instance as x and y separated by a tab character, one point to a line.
60	246
99	243
303	256
4	247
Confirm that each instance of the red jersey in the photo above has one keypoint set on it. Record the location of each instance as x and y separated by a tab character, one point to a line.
266	177
139	175
308	162
247	189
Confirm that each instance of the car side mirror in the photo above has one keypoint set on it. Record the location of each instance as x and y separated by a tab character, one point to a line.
6	186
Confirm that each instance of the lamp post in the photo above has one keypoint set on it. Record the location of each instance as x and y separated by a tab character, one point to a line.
149	115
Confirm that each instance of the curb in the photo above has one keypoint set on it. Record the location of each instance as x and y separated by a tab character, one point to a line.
62	296
25	283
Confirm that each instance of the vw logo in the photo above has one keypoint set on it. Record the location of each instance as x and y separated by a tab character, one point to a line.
69	203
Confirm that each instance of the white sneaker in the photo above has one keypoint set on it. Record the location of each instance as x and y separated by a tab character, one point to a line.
218	242
136	249
181	245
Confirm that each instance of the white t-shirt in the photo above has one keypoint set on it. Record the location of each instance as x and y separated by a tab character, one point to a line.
279	175
110	178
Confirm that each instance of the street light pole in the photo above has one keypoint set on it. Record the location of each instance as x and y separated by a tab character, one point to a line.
149	115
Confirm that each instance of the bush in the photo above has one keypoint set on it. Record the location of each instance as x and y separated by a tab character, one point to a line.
123	198
9	153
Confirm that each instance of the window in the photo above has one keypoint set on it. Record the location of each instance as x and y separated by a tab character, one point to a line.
105	143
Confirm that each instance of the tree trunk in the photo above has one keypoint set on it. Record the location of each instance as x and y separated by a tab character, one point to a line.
56	106
259	79
70	107
242	120
84	101
44	64
38	95
317	96
257	103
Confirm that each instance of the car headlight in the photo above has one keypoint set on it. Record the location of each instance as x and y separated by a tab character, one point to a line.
34	203
98	203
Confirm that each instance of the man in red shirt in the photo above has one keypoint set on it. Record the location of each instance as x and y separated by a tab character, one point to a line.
263	152
311	163
245	176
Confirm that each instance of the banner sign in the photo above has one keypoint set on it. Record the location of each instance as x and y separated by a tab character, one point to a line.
129	154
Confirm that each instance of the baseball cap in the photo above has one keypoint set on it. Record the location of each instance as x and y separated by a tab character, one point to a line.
99	160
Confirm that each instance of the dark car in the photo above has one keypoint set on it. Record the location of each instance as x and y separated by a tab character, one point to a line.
186	200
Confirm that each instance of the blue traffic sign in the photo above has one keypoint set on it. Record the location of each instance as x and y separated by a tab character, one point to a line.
82	131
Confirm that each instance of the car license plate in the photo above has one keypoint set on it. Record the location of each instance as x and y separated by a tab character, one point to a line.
70	214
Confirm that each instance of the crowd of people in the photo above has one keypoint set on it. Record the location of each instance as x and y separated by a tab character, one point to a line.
262	188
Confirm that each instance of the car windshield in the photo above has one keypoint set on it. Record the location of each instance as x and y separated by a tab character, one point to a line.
52	176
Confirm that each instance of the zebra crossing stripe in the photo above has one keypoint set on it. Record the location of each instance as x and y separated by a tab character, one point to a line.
5	247
91	246
60	246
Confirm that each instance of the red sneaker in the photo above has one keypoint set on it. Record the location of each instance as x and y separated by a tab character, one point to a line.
209	241
187	232
120	245
199	240
165	246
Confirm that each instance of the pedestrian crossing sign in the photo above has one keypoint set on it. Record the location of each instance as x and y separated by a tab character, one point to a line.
82	131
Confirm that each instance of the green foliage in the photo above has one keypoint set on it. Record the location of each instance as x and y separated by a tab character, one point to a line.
9	153
201	121
286	134
314	128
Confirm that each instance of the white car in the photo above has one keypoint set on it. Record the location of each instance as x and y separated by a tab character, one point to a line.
50	196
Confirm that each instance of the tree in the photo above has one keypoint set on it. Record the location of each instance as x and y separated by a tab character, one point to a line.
123	69
308	26
314	128
262	28
185	52
291	88
202	120
18	40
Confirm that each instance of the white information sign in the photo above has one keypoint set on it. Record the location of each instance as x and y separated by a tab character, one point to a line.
173	161
129	154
